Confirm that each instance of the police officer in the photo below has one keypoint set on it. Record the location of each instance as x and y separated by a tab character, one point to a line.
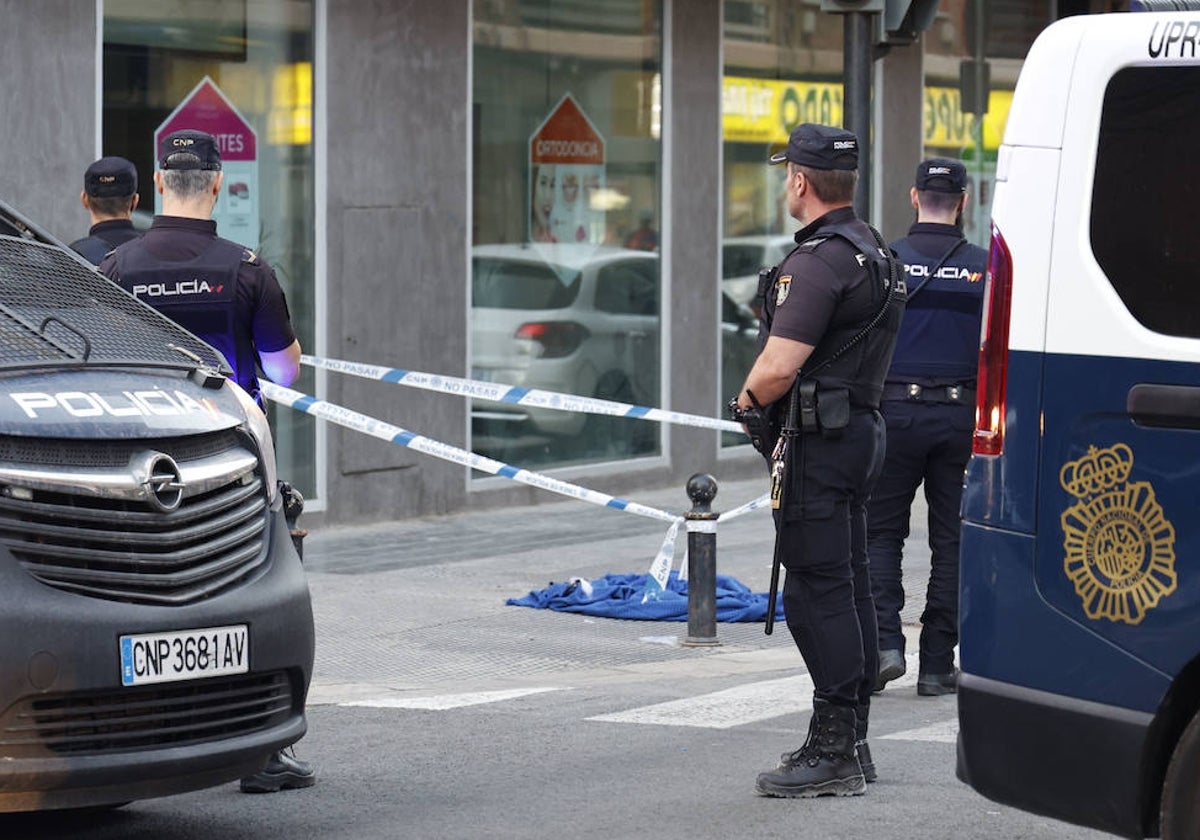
215	288
928	404
830	316
224	294
110	196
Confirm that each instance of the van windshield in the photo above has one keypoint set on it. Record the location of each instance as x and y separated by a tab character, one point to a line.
56	311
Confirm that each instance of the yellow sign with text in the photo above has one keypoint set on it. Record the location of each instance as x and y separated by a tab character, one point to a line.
766	110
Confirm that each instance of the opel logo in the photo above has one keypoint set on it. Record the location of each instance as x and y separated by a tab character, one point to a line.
163	483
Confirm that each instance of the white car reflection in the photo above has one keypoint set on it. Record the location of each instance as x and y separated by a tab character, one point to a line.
576	319
581	320
743	256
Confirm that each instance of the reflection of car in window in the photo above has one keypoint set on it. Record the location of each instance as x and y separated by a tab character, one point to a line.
142	541
742	257
573	319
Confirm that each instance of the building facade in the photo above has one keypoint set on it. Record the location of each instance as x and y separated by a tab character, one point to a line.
564	195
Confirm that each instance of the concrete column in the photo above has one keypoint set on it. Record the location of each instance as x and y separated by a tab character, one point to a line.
398	157
899	131
692	154
49	104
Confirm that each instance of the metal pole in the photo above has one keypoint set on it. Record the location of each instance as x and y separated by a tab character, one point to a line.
856	99
702	562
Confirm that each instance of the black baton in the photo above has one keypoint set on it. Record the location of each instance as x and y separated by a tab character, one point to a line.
778	483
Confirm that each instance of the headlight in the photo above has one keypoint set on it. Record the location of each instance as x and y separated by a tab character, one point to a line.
260	430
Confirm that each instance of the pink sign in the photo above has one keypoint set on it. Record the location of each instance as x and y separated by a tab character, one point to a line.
207	109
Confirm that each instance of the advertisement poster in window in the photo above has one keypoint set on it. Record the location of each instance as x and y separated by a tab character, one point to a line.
207	108
566	171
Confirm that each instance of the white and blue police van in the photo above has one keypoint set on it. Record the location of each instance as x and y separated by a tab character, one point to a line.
156	631
1079	695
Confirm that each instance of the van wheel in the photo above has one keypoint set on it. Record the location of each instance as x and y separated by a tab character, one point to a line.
1180	815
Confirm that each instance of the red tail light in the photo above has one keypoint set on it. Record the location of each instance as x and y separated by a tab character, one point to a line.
992	385
557	338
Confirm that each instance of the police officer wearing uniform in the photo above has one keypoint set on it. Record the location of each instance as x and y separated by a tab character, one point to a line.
831	312
929	405
215	288
224	294
110	196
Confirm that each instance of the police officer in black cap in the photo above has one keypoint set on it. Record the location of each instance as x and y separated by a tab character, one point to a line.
831	312
224	294
929	407
110	196
213	287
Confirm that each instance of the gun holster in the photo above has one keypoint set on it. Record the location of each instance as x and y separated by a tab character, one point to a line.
760	426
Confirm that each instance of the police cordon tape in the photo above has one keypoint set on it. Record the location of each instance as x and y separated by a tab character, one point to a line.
511	394
660	569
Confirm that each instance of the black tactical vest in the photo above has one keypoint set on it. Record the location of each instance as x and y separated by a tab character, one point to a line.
198	294
855	355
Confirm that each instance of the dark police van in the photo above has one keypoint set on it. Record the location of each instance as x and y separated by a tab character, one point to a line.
156	633
1080	589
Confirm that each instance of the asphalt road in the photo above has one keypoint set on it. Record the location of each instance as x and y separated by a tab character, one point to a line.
439	712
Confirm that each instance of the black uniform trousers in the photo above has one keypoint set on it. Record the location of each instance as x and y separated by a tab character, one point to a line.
926	442
823	541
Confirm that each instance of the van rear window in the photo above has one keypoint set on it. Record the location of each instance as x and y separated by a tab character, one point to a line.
1146	194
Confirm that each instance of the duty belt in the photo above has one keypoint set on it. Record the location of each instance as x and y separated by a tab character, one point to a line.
912	392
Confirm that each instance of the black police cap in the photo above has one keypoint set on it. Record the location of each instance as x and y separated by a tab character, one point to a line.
820	147
189	149
945	175
110	177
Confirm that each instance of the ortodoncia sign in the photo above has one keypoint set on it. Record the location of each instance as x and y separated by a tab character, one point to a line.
208	109
566	173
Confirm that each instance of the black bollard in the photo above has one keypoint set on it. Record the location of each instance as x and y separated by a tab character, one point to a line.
702	562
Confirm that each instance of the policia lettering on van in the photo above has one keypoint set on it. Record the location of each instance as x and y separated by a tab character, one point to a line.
1079	696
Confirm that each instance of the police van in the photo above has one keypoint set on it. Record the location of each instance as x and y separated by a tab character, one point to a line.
156	632
1080	587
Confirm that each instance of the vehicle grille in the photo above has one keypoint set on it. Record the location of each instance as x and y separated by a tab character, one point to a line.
97	722
123	550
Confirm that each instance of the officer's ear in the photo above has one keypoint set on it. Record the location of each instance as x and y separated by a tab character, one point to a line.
83	198
912	196
159	184
220	179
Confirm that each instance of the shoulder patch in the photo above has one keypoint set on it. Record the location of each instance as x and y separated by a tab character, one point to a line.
814	242
782	287
249	256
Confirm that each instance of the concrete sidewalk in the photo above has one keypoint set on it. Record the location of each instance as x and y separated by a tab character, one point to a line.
419	605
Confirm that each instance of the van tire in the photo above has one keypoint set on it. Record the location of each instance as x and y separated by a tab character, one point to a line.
1180	815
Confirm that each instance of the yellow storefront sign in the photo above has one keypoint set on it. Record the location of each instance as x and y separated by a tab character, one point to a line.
766	110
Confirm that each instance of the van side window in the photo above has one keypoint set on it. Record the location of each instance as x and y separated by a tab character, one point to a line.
1144	224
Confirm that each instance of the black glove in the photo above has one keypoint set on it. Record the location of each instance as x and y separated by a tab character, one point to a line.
759	426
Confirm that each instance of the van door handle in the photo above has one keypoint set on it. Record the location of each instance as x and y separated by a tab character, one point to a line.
1167	406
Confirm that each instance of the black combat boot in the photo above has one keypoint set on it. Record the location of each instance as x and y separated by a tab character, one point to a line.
826	765
861	748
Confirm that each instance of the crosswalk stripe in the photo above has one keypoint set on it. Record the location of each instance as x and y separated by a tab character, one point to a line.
945	732
442	702
741	705
725	709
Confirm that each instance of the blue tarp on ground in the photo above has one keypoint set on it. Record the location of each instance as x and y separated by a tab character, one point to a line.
621	596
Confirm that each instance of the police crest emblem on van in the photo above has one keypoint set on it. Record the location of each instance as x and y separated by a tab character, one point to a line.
1119	547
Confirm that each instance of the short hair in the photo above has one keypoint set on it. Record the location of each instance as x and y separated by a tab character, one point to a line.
832	186
938	202
111	205
188	183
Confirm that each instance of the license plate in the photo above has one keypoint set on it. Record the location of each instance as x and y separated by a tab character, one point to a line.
184	655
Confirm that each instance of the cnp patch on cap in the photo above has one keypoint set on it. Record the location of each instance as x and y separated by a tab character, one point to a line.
110	177
942	175
820	147
189	149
